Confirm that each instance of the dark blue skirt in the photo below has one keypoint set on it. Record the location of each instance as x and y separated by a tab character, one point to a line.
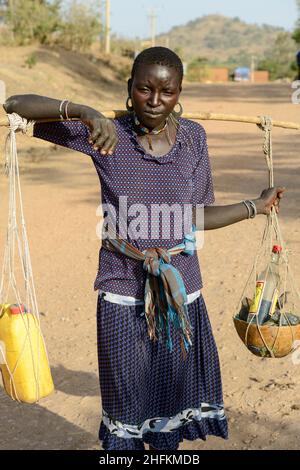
149	394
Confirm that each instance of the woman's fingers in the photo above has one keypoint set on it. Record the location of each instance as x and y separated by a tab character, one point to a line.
272	197
101	142
279	195
94	135
96	126
280	191
104	137
100	136
110	145
114	138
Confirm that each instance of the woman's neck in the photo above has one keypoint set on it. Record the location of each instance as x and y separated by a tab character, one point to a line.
149	130
160	143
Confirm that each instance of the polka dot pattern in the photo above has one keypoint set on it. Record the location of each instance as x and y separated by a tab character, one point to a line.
141	379
182	176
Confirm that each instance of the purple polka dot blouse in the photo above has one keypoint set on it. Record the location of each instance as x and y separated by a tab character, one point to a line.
181	177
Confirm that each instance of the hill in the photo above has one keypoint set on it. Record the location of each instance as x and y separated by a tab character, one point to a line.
220	39
91	78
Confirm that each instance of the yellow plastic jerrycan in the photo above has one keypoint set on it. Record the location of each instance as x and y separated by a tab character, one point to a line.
23	359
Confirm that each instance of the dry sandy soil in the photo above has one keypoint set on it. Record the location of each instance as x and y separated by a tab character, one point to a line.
61	194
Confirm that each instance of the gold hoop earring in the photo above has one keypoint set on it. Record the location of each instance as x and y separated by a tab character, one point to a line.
129	107
177	114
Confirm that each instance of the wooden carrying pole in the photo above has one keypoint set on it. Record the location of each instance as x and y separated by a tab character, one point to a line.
193	116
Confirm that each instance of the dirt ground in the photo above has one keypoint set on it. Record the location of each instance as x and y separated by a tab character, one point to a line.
61	194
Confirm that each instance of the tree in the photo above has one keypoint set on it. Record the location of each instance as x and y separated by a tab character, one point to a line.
280	60
197	70
44	22
79	27
33	20
296	33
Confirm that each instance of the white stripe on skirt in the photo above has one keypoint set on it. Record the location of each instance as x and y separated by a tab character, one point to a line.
127	300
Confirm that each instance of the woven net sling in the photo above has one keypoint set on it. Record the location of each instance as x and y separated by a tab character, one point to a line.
270	339
23	357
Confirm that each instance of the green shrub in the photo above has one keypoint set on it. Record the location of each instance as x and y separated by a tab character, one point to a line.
31	61
197	70
33	20
42	21
280	60
79	28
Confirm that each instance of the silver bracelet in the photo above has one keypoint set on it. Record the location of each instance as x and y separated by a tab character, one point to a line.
250	205
66	110
254	209
248	208
60	109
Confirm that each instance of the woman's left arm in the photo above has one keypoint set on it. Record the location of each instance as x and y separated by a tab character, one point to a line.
221	216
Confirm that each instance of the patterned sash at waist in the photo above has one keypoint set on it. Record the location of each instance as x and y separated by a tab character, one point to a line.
165	295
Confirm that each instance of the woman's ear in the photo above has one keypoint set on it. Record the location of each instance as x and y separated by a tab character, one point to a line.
129	85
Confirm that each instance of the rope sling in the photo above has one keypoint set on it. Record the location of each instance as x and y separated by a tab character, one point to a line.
282	339
33	345
25	370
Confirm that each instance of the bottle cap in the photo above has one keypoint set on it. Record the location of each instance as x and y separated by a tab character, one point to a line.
15	309
277	249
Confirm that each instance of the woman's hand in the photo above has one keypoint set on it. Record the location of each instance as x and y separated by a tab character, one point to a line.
268	198
103	132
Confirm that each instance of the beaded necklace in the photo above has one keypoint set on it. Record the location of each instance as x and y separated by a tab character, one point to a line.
148	133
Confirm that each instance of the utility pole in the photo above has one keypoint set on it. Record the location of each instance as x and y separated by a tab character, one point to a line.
101	28
107	27
153	16
11	6
252	68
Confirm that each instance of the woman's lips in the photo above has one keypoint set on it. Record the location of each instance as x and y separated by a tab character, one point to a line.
153	115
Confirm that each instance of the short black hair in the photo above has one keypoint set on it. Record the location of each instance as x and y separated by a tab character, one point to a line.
161	56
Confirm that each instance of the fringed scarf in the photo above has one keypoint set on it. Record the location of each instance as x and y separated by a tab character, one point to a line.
165	295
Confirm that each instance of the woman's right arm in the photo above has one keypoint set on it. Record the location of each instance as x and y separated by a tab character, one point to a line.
35	107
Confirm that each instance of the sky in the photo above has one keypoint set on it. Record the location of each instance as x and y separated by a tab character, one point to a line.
129	17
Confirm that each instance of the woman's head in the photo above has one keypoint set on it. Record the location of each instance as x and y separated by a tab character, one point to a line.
155	84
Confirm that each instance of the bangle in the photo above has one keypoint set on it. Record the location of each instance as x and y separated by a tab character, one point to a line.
252	211
60	109
248	208
66	110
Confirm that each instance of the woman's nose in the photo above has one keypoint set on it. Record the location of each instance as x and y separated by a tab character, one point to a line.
154	99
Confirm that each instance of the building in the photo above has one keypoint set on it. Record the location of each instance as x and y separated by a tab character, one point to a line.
242	74
217	74
260	76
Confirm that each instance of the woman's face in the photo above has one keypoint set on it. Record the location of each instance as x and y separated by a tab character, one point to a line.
154	91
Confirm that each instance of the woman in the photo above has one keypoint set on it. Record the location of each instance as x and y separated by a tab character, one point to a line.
156	392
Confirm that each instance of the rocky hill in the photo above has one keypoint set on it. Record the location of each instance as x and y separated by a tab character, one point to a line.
221	39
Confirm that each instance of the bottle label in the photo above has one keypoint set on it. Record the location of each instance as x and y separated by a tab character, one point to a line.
263	309
254	307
